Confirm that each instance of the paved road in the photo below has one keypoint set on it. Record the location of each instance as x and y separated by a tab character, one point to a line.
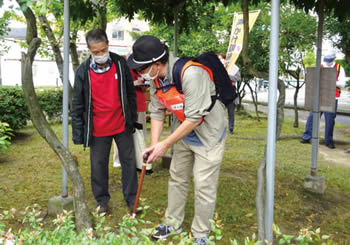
343	119
343	104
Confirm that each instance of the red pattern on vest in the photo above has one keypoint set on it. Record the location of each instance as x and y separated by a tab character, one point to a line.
172	99
108	118
337	90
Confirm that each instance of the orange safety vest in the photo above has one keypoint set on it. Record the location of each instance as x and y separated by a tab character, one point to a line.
172	99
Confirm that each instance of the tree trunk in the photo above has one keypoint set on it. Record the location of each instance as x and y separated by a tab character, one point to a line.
56	49
264	75
280	106
83	219
241	92
255	101
45	25
296	114
73	50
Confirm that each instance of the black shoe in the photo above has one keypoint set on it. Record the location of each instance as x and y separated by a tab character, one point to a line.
101	208
330	146
163	231
304	141
231	131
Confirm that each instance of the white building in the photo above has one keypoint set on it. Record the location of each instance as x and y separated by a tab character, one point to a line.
45	72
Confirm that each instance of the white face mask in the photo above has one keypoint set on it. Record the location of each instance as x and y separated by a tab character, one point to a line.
101	59
147	76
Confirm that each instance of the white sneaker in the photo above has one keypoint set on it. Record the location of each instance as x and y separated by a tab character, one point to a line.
117	165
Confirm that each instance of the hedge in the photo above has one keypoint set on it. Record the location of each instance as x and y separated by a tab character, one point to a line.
14	110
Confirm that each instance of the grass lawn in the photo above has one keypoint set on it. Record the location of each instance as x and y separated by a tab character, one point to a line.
31	173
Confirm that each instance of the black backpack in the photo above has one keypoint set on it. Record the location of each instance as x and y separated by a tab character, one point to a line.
225	91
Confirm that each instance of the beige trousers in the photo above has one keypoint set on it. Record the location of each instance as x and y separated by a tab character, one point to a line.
205	166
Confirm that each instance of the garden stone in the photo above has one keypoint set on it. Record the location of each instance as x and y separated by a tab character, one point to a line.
316	184
58	203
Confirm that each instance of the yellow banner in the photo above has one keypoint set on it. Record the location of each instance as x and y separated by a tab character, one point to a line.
236	40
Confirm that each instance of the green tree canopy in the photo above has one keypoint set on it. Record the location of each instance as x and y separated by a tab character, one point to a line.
340	8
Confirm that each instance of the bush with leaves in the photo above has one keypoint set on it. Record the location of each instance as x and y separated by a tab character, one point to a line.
130	231
5	136
50	101
13	108
14	111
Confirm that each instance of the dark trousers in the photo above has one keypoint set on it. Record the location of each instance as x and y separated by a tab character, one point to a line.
329	118
99	155
231	116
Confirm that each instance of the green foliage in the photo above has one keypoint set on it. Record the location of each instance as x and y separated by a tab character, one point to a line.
4	22
14	111
209	29
5	136
305	236
50	101
297	34
13	108
131	231
4	29
341	8
338	32
310	58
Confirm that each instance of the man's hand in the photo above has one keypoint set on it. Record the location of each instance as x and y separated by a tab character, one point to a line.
155	152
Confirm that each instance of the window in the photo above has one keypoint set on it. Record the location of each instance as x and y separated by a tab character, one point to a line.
118	35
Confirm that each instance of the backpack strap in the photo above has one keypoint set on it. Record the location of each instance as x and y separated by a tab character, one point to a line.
179	68
194	63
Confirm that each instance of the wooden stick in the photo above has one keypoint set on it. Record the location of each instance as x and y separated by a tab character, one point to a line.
143	171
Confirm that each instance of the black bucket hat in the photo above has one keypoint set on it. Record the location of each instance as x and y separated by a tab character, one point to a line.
145	51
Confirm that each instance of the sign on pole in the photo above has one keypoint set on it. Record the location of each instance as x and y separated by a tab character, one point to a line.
327	88
236	39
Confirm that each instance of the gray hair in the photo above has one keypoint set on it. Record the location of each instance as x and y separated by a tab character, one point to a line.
96	36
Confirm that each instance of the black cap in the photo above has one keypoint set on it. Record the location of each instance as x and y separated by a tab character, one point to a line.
145	51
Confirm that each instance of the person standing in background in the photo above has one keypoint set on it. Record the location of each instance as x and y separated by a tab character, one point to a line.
140	89
235	76
329	61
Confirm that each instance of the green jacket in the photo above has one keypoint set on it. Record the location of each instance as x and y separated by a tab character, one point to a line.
82	125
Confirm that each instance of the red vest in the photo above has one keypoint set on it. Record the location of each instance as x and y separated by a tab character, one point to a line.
140	95
172	99
337	90
108	118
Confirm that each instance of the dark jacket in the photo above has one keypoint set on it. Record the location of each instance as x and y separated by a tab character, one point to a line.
81	102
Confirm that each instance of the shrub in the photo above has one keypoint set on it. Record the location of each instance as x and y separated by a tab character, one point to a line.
13	108
50	101
5	136
14	111
130	231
